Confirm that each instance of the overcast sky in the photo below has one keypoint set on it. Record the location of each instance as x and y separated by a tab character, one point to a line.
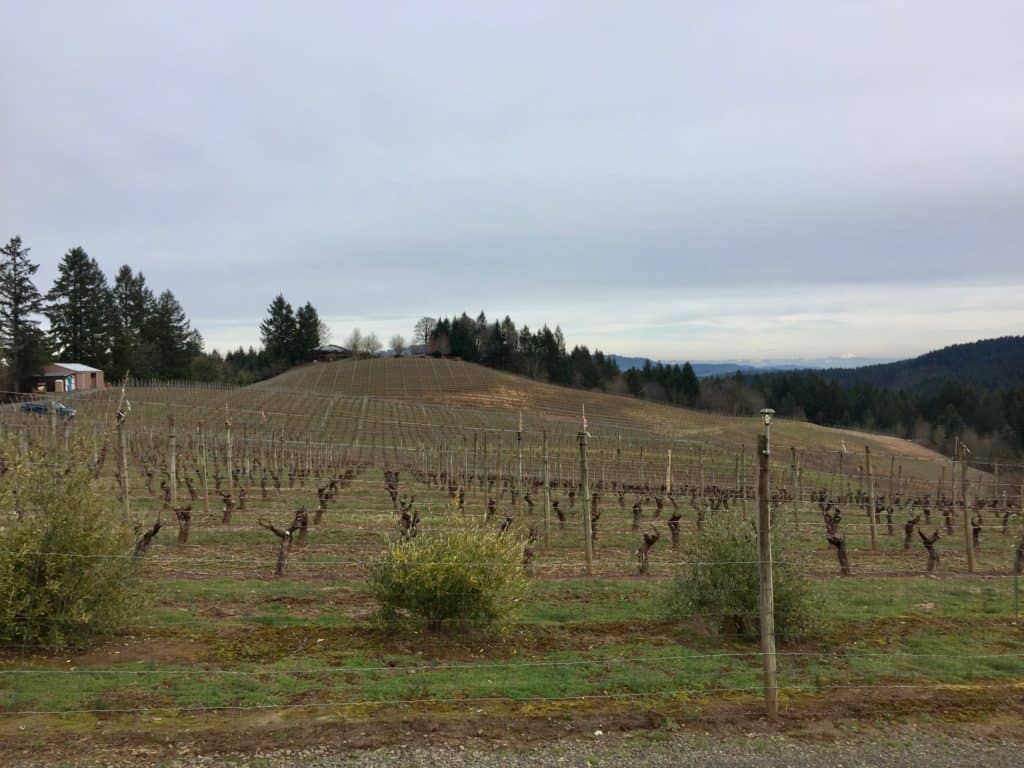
703	180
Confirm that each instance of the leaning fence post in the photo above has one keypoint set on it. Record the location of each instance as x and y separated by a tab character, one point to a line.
766	598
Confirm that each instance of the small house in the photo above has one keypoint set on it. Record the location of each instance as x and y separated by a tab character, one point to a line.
68	377
326	353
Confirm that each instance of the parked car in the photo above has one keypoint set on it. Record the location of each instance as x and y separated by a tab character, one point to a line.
46	407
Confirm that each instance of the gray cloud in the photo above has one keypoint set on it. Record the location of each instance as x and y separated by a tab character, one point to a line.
583	163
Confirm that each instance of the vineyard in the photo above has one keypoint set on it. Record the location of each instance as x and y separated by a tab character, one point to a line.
260	510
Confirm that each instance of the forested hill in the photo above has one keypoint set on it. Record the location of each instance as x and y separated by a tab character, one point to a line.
988	365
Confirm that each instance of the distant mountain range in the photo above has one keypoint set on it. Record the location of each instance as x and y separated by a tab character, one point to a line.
988	364
753	367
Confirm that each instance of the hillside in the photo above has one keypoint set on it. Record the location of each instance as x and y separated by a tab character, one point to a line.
989	365
438	386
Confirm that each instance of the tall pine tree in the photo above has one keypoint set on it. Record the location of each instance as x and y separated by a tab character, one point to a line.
22	343
279	332
308	333
132	304
79	311
169	335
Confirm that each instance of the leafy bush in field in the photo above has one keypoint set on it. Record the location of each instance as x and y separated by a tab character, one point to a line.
459	571
65	570
720	583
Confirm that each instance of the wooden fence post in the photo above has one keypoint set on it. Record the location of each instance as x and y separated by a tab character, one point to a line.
519	465
968	539
795	484
766	597
585	485
122	455
206	477
547	490
870	495
230	450
172	461
741	482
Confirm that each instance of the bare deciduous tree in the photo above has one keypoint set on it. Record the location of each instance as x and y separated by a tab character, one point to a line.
372	345
354	342
423	329
398	344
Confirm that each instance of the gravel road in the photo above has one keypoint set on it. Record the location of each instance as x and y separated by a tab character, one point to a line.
907	750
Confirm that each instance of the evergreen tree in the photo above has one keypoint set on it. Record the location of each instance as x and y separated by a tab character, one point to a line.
279	332
22	344
689	385
171	337
132	306
307	335
79	311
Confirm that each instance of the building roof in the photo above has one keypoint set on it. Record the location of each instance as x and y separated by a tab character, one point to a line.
77	367
327	348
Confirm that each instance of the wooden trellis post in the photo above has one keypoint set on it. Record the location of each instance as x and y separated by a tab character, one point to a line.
668	472
870	495
501	477
547	490
618	460
892	479
122	455
741	482
519	465
230	449
172	461
968	542
206	481
585	486
766	595
795	484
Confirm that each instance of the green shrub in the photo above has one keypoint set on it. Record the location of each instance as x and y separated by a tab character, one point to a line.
459	570
720	583
65	570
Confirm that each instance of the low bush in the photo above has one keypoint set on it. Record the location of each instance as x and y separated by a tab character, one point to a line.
65	567
720	583
456	571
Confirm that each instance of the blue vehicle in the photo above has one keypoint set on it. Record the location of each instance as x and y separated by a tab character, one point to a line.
46	407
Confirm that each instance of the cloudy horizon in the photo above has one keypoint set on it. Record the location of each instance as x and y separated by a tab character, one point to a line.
705	181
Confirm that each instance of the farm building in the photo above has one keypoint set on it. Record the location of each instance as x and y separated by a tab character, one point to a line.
325	353
67	377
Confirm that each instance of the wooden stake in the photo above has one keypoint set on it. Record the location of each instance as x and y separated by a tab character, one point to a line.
585	484
547	490
968	539
206	480
870	495
766	596
230	449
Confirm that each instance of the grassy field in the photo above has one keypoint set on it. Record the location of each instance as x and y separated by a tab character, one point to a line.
224	654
